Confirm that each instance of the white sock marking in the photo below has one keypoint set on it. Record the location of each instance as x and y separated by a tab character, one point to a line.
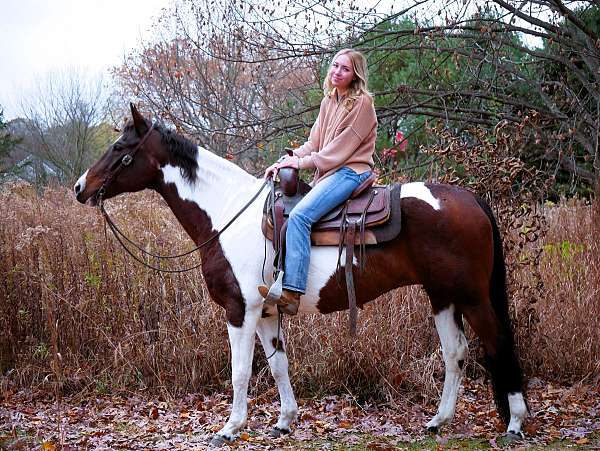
267	331
454	348
518	412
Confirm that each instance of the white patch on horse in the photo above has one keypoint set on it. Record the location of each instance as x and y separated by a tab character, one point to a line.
80	184
454	348
242	340
322	267
221	189
518	412
420	191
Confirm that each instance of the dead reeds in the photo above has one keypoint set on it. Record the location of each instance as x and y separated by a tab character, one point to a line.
78	314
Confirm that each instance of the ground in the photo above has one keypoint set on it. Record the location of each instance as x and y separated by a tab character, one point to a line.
562	417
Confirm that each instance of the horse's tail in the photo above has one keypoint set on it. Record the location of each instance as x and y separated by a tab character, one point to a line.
503	364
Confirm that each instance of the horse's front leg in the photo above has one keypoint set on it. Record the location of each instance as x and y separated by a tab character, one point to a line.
278	361
242	341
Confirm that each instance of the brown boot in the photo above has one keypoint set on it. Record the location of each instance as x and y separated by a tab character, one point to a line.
289	300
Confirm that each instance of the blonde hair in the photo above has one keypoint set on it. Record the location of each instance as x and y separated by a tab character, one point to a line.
358	86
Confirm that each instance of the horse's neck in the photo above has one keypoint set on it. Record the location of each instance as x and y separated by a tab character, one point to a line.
219	191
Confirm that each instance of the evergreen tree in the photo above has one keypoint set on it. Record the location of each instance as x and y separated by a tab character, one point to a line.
7	142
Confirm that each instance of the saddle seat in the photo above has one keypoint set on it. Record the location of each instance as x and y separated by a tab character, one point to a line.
369	206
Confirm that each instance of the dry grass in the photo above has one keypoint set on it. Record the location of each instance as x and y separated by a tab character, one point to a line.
78	313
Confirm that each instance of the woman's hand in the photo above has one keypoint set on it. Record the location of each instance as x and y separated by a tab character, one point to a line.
284	162
271	171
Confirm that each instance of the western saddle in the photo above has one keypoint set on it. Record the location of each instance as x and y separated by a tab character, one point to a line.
372	215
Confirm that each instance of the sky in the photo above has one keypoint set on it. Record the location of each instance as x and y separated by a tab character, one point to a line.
42	36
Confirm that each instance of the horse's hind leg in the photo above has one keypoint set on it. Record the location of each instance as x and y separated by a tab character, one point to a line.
278	361
454	348
496	336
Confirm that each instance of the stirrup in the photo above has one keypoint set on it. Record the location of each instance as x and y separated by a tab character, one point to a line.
275	290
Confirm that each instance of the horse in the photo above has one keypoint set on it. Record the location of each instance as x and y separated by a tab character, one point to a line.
449	243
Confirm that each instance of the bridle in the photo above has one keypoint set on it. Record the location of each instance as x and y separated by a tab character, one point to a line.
125	161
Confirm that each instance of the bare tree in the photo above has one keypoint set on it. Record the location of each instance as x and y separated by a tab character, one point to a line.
187	79
62	126
240	72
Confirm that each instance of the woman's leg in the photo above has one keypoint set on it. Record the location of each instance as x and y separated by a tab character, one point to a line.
325	196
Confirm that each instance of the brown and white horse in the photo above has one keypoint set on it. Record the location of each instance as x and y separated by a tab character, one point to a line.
449	244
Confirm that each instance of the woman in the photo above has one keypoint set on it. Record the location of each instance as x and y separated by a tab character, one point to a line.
340	149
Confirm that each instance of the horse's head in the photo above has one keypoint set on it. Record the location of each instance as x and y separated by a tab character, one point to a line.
131	163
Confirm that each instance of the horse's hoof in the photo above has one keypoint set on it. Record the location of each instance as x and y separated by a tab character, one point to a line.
432	429
513	436
220	440
278	432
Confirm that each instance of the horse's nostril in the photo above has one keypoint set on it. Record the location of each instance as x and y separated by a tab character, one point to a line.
76	188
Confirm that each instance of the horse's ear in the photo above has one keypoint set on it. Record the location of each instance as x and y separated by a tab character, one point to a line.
140	124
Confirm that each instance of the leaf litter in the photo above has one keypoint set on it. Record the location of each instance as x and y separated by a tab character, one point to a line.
566	415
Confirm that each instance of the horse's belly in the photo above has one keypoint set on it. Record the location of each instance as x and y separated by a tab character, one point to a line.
323	264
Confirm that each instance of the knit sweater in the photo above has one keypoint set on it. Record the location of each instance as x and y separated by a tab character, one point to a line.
343	135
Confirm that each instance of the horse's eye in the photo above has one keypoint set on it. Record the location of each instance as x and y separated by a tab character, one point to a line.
117	147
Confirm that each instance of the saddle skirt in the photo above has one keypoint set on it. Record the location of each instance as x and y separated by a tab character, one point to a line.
375	212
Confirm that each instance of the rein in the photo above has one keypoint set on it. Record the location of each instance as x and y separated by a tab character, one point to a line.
122	238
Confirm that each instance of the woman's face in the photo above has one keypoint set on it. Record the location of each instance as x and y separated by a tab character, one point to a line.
341	73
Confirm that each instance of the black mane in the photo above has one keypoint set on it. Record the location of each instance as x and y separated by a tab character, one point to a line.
183	151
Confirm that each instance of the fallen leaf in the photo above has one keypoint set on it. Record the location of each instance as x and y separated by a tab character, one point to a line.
48	446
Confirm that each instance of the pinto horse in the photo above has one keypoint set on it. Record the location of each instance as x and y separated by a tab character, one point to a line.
449	244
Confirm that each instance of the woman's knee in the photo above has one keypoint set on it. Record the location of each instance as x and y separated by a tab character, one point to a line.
298	217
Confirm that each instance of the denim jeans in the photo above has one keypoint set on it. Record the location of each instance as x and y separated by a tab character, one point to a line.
325	196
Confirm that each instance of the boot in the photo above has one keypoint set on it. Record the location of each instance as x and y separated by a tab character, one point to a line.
288	302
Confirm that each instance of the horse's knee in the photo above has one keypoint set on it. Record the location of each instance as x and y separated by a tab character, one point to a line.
240	377
280	372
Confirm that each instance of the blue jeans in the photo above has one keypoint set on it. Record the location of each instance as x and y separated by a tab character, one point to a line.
325	196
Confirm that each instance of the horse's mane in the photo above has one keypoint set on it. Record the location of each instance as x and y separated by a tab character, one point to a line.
182	150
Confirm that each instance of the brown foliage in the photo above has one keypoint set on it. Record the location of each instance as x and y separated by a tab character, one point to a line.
78	313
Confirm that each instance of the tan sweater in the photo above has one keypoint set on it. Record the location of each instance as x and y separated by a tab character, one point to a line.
343	135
